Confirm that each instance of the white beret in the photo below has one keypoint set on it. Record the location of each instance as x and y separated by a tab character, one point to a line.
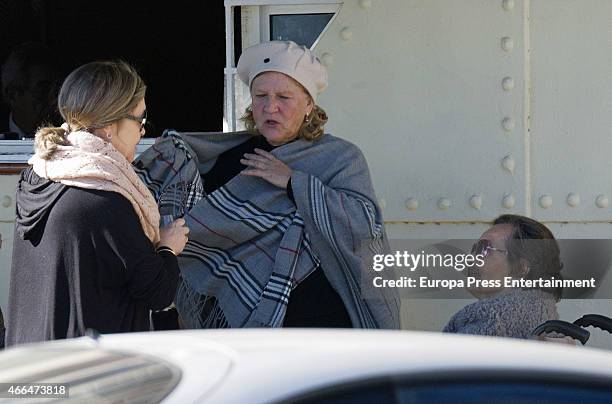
297	62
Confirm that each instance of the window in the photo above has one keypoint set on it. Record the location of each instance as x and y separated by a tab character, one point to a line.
501	392
301	24
356	393
303	29
456	388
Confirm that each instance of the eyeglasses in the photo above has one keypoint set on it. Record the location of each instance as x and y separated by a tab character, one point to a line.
483	246
142	119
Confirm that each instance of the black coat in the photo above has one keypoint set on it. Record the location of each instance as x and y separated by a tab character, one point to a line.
81	260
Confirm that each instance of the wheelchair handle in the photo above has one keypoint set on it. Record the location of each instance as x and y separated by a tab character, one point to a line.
565	328
595	320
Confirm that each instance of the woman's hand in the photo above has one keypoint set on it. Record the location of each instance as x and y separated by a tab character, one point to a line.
558	338
174	236
265	165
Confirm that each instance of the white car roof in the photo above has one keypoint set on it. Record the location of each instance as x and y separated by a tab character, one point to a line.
256	365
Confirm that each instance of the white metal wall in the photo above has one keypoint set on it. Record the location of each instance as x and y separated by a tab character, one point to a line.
473	108
7	223
468	109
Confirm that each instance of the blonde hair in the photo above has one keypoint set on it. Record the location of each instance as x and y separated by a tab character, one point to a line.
311	130
92	96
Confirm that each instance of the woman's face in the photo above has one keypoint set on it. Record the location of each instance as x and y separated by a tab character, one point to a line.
496	265
129	132
280	105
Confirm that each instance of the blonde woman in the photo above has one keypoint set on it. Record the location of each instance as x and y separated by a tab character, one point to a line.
88	250
289	217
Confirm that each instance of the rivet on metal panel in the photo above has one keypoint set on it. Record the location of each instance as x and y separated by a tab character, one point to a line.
476	201
508	124
508	5
508	201
444	203
508	163
412	204
365	4
507	43
327	59
601	201
6	201
508	83
346	34
546	201
573	200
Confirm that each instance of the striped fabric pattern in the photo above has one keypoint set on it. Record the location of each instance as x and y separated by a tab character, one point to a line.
323	221
250	245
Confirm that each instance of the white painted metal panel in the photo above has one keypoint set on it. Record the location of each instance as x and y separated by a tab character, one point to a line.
571	108
6	233
507	101
418	86
437	93
7	225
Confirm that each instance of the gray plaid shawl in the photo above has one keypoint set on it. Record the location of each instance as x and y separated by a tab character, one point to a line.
250	246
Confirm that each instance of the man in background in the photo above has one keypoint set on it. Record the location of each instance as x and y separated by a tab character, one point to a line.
29	84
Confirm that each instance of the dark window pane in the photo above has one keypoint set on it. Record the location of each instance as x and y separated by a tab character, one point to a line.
502	393
303	29
445	391
365	393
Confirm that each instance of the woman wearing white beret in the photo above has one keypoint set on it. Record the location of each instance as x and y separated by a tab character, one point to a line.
289	217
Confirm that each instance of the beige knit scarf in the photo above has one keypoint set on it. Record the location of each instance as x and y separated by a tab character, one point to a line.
92	163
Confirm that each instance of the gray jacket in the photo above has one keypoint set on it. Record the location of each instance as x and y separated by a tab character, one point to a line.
512	313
